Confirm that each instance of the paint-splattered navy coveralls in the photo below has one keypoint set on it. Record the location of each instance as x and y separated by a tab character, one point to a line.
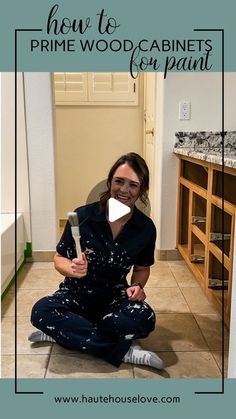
93	314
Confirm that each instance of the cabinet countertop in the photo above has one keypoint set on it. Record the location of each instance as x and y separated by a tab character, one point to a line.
207	146
211	157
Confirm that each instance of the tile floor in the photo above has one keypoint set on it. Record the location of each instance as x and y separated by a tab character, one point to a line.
187	336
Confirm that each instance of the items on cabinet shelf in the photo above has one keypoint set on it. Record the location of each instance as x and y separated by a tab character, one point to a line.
196	219
197	258
219	237
218	284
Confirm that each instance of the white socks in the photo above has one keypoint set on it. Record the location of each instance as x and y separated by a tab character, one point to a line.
40	337
136	355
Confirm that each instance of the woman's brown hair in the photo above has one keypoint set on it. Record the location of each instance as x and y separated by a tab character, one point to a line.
139	166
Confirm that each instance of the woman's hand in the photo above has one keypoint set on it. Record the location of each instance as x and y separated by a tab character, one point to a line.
74	268
79	267
139	278
135	293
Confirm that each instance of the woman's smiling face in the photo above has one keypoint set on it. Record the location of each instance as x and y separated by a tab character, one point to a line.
125	185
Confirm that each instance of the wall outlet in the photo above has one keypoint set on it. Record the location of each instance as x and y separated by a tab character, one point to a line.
184	109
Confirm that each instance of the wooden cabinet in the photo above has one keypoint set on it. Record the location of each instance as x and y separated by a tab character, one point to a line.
206	226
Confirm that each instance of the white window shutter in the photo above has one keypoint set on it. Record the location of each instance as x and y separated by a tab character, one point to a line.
95	89
70	88
112	87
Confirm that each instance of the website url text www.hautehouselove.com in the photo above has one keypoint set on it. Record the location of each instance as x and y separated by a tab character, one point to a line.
105	399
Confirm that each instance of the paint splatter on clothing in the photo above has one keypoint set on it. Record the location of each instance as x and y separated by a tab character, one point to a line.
109	261
101	328
93	314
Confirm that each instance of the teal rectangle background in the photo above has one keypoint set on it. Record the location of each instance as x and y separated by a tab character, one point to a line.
192	405
151	20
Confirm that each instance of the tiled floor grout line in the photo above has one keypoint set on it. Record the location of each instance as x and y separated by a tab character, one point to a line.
193	315
185	299
48	361
212	350
198	325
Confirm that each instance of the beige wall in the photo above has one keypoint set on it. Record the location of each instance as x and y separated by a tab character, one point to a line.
88	141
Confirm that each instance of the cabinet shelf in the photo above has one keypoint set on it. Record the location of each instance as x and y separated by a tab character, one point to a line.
199	206
197	268
219	255
200	235
228	207
197	189
206	227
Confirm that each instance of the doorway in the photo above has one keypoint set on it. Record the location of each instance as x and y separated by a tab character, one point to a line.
90	137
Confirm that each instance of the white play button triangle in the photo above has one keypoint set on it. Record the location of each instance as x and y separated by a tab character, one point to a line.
116	209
